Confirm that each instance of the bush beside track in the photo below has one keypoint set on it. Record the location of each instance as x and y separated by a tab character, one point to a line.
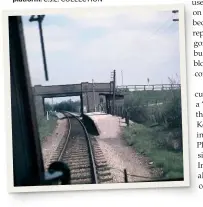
157	133
46	127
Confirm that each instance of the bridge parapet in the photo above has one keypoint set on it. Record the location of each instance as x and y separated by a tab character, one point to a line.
98	87
70	89
57	89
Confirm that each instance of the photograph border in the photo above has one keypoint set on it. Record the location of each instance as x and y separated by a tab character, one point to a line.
184	103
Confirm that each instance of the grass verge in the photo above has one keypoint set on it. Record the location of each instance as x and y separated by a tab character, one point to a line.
46	127
151	142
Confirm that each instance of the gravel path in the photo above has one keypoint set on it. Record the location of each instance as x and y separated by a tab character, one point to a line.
50	143
118	154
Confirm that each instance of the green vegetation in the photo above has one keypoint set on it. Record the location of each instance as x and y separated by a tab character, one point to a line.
46	127
157	131
160	146
168	114
151	97
144	107
69	105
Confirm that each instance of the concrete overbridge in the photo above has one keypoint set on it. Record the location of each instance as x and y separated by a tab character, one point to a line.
90	94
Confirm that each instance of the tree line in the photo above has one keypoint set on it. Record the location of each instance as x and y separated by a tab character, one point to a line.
73	106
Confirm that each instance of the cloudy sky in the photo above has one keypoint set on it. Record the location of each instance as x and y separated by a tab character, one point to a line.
86	44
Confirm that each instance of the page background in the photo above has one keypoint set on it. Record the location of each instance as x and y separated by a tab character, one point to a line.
141	197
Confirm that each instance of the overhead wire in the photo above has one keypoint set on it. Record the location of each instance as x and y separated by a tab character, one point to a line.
160	27
164	26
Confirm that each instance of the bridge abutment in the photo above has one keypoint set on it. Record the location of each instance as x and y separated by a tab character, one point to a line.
39	104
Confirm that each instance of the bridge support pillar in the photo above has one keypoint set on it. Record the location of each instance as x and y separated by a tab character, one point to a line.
93	101
39	104
81	104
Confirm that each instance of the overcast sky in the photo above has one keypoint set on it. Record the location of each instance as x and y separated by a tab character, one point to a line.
87	44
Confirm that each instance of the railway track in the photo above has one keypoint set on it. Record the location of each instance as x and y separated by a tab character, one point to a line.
82	154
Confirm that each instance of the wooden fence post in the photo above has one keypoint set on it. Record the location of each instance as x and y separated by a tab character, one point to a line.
127	118
125	176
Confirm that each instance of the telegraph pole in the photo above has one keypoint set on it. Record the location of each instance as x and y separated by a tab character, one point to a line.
114	91
39	19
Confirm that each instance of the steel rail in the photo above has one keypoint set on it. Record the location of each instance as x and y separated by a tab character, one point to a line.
67	138
90	149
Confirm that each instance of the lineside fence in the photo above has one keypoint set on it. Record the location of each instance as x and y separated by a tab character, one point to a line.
125	177
155	87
